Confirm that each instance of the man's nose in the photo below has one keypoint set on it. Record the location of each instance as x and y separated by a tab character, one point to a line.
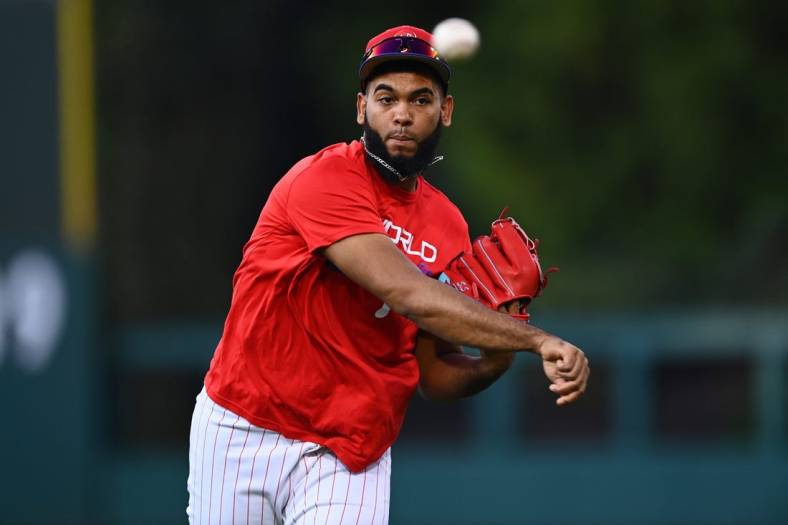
402	115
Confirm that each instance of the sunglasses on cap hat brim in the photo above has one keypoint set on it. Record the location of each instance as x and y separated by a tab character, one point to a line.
403	48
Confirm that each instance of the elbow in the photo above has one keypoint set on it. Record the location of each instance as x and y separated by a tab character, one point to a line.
437	394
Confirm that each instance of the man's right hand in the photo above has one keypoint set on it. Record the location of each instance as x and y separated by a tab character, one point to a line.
566	366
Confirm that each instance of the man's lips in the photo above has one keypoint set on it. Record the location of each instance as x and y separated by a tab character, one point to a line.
401	138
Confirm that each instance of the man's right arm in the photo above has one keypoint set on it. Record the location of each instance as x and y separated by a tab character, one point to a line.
374	263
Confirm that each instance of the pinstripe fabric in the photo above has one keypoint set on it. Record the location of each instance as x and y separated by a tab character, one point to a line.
251	477
243	474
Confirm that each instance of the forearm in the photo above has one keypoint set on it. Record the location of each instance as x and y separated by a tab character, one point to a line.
441	310
447	373
374	263
468	375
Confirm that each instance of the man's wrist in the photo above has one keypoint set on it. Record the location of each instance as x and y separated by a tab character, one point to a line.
536	337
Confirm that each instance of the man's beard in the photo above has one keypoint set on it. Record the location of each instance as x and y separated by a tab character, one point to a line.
406	166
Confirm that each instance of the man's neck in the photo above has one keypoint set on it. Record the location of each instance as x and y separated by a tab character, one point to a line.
410	184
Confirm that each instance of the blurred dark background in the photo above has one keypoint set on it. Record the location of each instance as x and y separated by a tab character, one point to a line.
644	142
637	139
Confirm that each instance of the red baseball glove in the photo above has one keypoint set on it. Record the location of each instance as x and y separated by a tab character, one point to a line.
501	268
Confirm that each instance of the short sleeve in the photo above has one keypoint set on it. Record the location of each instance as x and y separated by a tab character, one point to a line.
331	200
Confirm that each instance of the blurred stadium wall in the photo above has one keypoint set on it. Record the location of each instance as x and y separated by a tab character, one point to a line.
644	142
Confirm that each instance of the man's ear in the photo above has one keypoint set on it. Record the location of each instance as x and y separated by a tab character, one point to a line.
447	108
361	108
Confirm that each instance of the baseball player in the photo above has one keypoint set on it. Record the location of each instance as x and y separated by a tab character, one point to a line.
340	311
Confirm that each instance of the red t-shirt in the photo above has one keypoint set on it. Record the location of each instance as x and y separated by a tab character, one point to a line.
305	351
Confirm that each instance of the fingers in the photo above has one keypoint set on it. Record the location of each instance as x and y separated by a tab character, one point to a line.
565	400
564	354
565	387
567	367
511	308
569	359
580	362
571	390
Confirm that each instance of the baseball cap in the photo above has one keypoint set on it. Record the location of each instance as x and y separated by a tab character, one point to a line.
402	43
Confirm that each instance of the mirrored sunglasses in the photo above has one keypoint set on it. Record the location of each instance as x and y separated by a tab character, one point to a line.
402	44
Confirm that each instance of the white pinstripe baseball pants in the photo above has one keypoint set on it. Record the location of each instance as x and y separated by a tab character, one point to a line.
243	474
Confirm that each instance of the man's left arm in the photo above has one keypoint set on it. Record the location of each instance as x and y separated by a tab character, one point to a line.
447	373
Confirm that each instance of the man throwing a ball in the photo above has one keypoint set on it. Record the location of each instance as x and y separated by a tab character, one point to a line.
340	311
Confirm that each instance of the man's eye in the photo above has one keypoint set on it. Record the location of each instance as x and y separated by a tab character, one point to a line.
385	100
422	101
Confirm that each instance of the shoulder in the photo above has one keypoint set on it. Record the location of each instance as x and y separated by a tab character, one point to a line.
338	164
340	157
335	178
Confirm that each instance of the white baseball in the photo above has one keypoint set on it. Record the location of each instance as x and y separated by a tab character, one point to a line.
456	39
